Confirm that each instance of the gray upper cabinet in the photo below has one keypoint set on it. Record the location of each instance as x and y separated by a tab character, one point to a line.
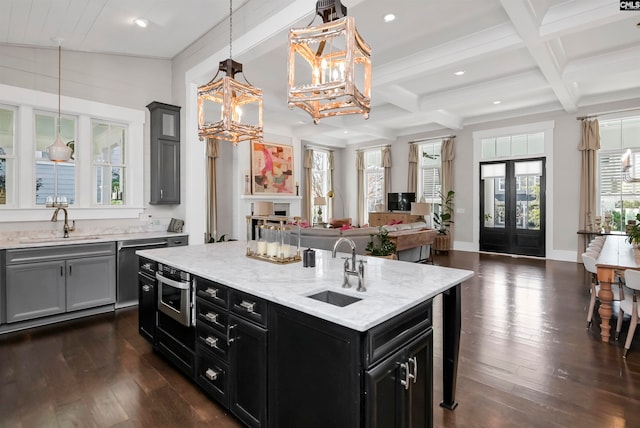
165	153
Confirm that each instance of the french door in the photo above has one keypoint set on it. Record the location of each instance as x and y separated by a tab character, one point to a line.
512	207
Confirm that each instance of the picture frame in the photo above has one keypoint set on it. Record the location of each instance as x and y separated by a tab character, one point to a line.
272	169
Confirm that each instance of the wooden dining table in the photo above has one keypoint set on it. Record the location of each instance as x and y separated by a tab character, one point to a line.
616	256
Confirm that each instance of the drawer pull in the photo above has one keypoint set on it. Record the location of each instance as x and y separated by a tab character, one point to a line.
211	317
413	364
211	342
212	292
405	382
247	306
211	374
146	288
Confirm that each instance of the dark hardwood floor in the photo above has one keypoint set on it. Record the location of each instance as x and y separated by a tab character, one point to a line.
527	360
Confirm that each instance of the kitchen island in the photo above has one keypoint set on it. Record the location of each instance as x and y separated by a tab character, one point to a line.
311	362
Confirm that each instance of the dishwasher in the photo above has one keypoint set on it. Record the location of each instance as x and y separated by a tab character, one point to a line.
127	262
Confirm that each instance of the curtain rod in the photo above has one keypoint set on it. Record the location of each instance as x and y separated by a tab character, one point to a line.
441	137
311	146
373	147
607	112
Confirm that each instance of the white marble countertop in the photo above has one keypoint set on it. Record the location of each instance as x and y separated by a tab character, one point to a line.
392	286
34	241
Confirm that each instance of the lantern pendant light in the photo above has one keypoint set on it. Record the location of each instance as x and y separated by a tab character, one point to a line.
329	65
59	151
228	109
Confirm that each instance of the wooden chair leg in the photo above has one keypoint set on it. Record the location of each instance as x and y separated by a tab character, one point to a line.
592	304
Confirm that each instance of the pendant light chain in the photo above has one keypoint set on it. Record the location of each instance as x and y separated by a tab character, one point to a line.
230	28
59	80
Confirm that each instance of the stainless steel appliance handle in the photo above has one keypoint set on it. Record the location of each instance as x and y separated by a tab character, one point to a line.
172	283
140	246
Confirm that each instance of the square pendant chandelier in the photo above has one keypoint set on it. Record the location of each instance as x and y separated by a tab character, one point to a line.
329	66
228	109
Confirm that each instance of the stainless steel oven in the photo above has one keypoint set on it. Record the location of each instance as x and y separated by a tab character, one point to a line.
176	294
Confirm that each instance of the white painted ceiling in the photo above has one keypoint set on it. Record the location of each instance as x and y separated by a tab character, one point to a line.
531	55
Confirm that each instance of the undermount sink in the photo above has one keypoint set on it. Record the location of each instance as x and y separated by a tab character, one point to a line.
36	240
333	298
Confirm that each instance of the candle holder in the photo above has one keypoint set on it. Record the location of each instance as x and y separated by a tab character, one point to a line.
276	239
247	189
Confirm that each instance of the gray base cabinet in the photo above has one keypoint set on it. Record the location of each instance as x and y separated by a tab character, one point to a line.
54	280
35	290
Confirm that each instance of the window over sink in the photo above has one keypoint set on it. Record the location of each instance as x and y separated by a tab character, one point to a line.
100	181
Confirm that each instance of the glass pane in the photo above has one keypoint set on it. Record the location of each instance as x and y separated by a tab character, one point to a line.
6	132
488	148
55	179
117	186
519	145
610	135
631	132
503	146
493	202
528	203
46	133
168	125
7	171
430	154
100	142
535	143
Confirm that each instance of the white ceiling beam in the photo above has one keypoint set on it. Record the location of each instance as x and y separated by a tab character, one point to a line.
481	43
523	20
445	118
599	66
399	96
578	15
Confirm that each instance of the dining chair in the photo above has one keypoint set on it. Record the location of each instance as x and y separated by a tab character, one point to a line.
629	305
589	261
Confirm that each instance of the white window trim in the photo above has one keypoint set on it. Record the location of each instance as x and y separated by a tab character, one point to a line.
27	101
531	128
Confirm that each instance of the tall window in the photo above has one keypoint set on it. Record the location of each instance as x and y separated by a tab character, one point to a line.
320	181
429	180
108	142
7	155
373	181
618	196
54	178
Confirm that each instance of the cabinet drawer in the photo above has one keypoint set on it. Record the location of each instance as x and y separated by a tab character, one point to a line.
212	375
212	315
40	254
178	241
249	307
212	292
391	335
213	340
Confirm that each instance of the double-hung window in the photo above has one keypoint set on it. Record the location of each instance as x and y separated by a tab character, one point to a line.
7	155
619	196
320	180
108	141
430	172
373	181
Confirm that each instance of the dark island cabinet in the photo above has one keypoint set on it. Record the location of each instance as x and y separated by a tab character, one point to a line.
322	374
165	154
231	350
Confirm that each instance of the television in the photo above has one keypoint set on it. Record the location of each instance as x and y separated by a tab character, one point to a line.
400	201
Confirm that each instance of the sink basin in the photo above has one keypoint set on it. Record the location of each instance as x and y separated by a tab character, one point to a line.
333	298
57	239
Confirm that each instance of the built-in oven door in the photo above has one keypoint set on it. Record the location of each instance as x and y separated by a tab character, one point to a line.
174	299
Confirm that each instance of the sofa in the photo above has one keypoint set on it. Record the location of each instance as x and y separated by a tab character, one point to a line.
324	239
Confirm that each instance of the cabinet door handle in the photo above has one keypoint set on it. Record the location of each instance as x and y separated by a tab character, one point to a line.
146	288
70	270
211	374
161	194
405	382
230	334
413	364
61	271
213	292
247	306
212	317
177	242
212	342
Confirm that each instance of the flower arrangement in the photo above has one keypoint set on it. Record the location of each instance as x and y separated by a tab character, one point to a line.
380	244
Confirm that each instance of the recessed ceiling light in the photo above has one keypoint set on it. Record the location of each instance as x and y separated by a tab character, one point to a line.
346	132
141	22
497	102
459	73
389	17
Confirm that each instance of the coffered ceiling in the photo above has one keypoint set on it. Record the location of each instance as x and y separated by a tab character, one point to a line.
518	56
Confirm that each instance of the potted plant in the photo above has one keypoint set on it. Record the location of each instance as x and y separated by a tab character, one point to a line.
633	233
380	245
442	219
